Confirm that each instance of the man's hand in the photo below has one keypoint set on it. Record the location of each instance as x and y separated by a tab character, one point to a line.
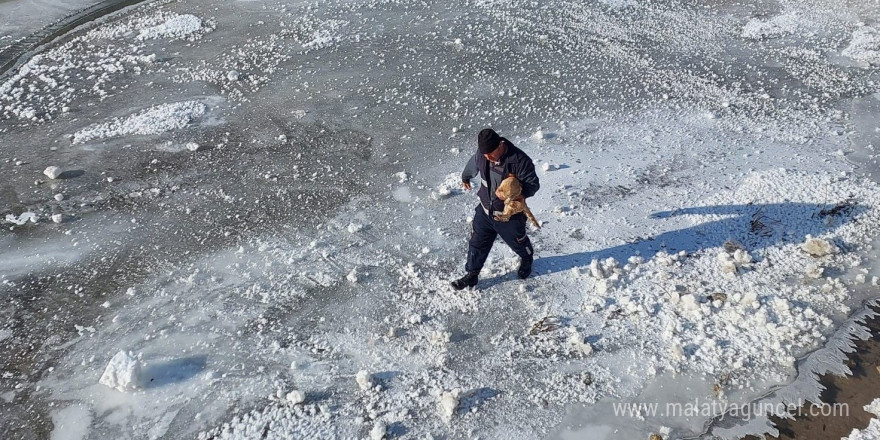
466	185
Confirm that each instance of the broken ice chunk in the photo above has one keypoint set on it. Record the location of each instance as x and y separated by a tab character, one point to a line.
352	276
741	257
364	380
378	431
296	397
815	271
52	172
440	338
22	219
817	247
123	372
448	403
728	264
580	344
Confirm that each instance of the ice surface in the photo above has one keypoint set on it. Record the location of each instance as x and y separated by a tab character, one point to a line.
278	257
71	423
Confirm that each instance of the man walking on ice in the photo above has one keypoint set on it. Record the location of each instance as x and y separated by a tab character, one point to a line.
496	159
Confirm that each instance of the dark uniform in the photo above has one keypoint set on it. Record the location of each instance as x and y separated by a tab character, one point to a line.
484	227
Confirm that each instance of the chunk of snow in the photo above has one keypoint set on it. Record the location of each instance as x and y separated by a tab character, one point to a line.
440	337
448	403
296	397
818	247
741	257
364	380
815	271
354	228
778	26
123	372
59	197
23	218
352	276
193	146
57	218
580	344
378	431
689	303
52	172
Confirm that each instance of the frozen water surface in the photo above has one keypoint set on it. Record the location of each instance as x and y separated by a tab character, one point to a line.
261	197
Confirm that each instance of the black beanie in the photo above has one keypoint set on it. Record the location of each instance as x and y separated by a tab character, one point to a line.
488	140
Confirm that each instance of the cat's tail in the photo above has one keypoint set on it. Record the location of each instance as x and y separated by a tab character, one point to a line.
531	216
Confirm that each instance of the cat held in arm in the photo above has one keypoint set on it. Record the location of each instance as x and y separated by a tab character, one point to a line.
510	191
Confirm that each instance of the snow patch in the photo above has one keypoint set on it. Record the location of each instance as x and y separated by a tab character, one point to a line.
865	46
757	29
71	423
21	219
175	27
155	120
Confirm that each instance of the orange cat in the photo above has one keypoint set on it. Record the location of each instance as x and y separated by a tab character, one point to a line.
514	203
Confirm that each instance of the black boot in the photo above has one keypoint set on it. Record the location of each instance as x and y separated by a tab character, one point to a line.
469	280
525	267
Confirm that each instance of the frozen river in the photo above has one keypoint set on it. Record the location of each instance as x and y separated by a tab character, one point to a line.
261	198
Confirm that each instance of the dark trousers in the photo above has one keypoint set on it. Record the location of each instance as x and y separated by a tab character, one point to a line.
483	234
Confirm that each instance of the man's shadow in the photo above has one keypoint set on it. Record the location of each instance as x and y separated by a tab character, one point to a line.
754	226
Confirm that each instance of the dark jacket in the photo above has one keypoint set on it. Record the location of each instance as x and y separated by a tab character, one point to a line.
514	161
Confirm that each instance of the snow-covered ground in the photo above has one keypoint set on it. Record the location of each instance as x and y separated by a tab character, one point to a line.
259	212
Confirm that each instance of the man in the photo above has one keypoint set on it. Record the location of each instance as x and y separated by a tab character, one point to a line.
496	159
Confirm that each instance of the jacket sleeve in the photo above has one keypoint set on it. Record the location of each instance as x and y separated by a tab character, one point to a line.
528	177
470	169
